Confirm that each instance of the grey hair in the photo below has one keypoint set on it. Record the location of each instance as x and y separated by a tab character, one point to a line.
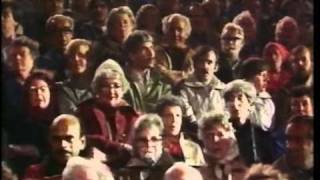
121	10
242	86
181	169
213	119
109	69
76	164
166	21
147	121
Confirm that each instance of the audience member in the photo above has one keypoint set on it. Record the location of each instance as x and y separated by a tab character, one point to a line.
149	160
202	91
170	109
223	160
66	140
181	171
264	172
254	143
79	168
298	161
76	88
147	84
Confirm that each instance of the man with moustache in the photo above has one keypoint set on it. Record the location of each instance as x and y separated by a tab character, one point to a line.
66	140
201	92
147	85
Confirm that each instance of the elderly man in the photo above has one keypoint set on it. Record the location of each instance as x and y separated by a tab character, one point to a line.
254	142
232	41
297	162
146	84
181	171
66	140
149	160
223	160
60	28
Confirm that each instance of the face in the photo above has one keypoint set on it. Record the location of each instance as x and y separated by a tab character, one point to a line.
148	144
177	32
78	60
206	66
299	146
238	105
65	141
172	119
217	142
302	63
144	57
231	44
302	105
260	81
273	56
39	94
100	12
122	27
110	91
21	60
8	23
61	37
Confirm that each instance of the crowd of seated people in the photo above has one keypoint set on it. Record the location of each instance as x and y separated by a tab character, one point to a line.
157	89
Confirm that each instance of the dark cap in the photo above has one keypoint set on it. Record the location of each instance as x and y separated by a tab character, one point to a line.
253	66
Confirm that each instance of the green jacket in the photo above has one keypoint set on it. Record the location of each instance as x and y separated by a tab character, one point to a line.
144	95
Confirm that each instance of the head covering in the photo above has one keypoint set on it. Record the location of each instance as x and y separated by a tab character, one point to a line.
112	65
284	53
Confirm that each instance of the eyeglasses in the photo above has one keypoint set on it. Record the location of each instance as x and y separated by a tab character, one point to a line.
143	140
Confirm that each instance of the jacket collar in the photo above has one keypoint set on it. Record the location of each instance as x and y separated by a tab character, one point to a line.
192	81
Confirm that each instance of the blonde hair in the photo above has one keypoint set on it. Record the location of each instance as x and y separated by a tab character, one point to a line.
166	21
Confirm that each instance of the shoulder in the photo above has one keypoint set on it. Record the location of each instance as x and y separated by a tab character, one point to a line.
35	171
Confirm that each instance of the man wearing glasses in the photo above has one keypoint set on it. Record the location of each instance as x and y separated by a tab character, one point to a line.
149	160
231	43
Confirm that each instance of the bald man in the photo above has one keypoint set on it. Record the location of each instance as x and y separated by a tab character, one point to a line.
66	140
181	171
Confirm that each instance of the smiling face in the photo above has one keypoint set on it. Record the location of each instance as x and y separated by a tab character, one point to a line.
148	144
177	31
39	94
110	91
78	60
172	119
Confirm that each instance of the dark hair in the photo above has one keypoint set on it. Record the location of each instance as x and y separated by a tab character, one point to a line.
303	120
253	66
136	39
27	42
298	91
169	100
40	75
94	2
203	50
